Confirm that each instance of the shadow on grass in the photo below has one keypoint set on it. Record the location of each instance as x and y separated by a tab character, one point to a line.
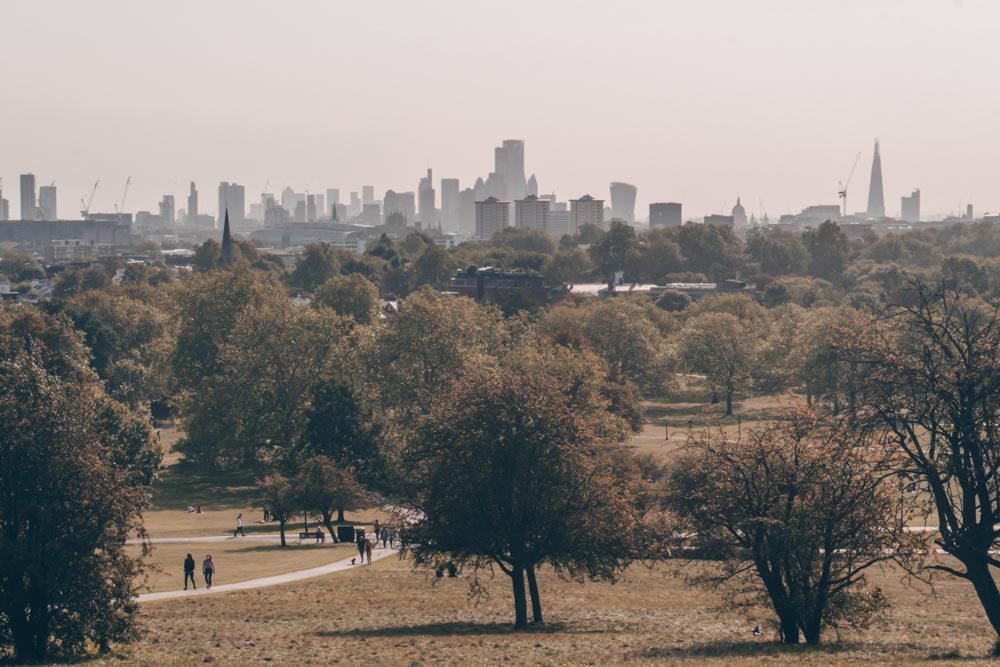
184	484
456	629
771	649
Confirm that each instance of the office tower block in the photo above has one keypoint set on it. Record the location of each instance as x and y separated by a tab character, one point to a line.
426	201
585	211
664	214
232	198
451	204
509	166
367	194
27	196
492	215
532	213
167	209
47	205
623	201
192	212
910	208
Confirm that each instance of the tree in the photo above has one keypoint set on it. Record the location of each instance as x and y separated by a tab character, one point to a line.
710	249
342	426
433	267
276	494
932	389
615	246
252	410
798	511
520	238
73	469
567	266
778	253
726	350
829	251
504	473
319	262
326	489
673	301
351	296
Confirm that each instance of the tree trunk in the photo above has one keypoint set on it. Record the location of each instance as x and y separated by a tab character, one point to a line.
340	515
789	628
729	402
520	602
812	631
328	522
281	527
986	590
536	601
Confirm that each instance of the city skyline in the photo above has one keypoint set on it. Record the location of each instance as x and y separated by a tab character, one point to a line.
713	107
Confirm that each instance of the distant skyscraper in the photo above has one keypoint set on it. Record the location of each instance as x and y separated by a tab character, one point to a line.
876	198
532	187
509	164
910	207
27	196
310	208
623	201
354	208
664	214
719	220
367	194
492	215
427	200
47	205
585	211
403	203
739	215
192	212
532	213
451	204
167	209
968	211
232	198
467	211
332	197
4	209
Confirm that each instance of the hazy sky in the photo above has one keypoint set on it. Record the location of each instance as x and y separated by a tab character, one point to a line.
696	101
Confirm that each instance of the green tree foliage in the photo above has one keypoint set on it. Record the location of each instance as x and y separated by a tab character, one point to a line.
655	257
799	511
276	494
351	296
73	470
829	251
710	249
504	473
252	410
567	267
327	490
319	262
614	248
342	426
19	267
778	253
431	338
435	266
529	240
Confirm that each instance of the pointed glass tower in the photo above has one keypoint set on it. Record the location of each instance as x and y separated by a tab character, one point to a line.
876	198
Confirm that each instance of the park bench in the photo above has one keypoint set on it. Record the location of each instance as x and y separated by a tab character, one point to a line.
319	536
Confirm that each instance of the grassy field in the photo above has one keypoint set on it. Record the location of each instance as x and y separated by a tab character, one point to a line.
391	614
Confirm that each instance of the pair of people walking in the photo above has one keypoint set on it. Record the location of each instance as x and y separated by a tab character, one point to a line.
207	569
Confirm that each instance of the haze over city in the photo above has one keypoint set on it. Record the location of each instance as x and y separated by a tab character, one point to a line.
692	102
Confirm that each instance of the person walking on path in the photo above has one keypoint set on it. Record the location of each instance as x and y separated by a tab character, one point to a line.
368	551
239	526
208	569
377	528
360	537
189	572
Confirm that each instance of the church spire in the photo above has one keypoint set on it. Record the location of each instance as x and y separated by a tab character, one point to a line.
226	256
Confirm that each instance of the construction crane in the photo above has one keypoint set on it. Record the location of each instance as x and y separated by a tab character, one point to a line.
85	206
842	192
121	209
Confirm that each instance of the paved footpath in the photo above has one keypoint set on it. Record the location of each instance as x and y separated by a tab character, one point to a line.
285	578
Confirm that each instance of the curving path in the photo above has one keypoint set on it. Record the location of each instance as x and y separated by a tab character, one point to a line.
288	577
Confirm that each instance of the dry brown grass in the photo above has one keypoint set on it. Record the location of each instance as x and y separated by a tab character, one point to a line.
389	614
